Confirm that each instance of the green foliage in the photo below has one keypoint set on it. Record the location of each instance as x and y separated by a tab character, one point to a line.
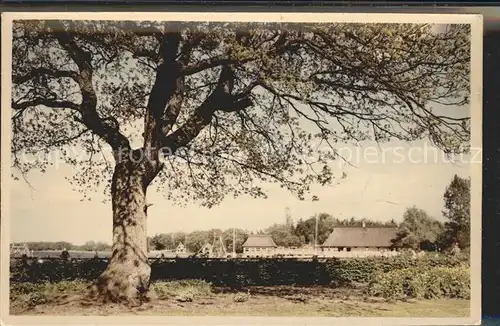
418	230
241	272
422	283
17	289
55	270
284	236
240	235
393	278
182	288
65	286
195	240
34	299
241	297
457	212
350	82
60	245
347	271
94	246
33	294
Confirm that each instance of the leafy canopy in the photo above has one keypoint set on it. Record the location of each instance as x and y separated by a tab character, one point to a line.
229	103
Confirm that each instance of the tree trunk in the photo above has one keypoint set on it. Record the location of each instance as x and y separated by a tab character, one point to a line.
126	278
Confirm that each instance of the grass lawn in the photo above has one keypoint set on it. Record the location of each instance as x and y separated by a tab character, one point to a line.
262	301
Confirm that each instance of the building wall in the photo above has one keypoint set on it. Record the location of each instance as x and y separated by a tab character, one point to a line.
257	250
320	252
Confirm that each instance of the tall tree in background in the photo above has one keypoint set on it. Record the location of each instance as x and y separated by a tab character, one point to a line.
206	109
306	229
457	212
418	230
240	235
197	239
284	235
160	242
92	246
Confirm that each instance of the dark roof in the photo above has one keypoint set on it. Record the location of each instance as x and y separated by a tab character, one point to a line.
361	237
259	240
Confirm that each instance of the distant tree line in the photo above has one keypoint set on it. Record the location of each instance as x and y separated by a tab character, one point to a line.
418	230
61	245
195	240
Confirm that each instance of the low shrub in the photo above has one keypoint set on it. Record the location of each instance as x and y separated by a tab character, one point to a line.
182	288
422	283
28	294
241	297
348	271
35	299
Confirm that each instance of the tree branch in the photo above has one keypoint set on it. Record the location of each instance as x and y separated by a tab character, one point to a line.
167	85
90	117
220	99
47	102
41	72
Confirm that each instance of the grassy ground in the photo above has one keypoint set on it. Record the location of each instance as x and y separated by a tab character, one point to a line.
195	298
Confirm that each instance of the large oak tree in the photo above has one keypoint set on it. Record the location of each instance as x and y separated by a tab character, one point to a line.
207	109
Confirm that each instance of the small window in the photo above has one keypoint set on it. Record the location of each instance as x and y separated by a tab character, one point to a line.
348	249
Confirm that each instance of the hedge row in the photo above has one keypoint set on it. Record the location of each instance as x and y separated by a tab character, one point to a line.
238	272
419	283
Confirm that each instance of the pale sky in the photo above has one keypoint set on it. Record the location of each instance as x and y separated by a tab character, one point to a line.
380	187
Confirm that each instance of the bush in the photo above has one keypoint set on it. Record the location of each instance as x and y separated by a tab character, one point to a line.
347	271
183	288
241	297
35	299
422	283
55	270
28	294
18	289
